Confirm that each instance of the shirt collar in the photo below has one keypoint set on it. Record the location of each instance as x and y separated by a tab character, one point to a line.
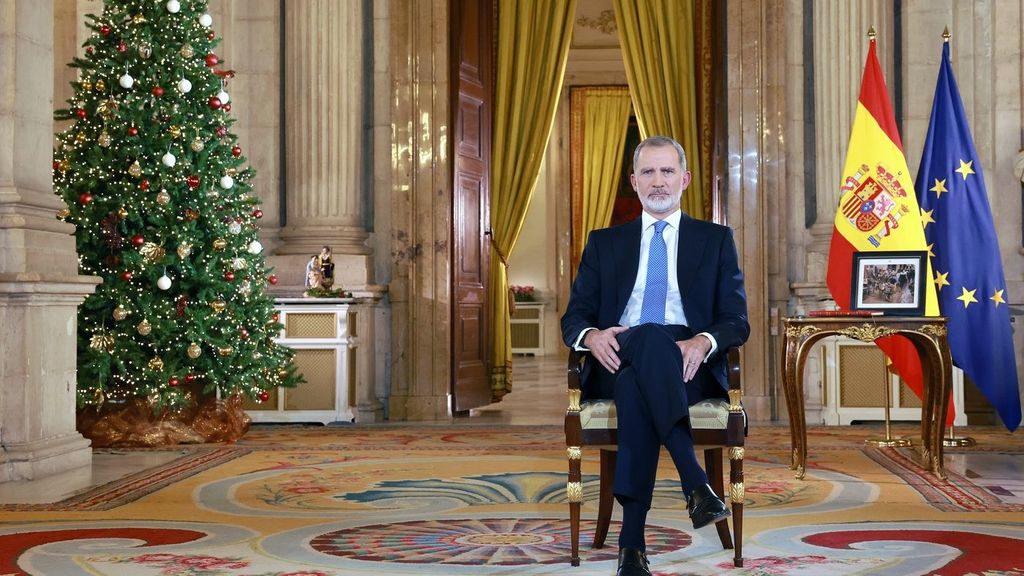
673	219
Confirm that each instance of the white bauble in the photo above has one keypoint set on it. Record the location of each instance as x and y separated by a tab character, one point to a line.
164	283
169	160
184	86
223	97
173	6
126	81
234	228
227	182
206	20
255	247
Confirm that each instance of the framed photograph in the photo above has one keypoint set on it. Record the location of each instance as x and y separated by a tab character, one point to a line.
889	282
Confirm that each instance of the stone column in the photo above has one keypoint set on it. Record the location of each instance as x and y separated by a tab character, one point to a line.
40	288
324	135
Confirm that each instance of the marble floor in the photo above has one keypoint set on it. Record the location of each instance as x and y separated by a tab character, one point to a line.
538	398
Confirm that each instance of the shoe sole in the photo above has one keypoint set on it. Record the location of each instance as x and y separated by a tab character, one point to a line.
713	520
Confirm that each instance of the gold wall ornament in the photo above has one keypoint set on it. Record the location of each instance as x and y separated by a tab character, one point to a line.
801	331
737	492
574	491
574	400
736	453
120	313
574	452
225	350
152	252
144	327
194	351
102	342
935	330
218	305
867	332
156	364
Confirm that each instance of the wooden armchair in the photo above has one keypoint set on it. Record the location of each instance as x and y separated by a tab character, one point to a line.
716	424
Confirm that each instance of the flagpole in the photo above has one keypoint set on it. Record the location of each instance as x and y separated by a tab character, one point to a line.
889	441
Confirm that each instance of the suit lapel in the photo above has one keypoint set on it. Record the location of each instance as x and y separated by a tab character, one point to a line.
691	250
627	262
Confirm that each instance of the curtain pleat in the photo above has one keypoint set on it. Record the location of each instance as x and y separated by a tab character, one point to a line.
605	121
658	47
533	46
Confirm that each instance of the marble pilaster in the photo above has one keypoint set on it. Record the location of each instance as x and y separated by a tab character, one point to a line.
40	288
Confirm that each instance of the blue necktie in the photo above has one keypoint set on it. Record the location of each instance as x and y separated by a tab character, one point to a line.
652	310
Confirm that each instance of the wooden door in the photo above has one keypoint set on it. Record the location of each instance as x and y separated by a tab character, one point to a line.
472	91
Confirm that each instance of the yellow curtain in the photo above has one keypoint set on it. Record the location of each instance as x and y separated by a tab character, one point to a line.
533	46
605	120
658	47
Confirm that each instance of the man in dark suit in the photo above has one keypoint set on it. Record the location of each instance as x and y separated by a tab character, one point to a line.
657	302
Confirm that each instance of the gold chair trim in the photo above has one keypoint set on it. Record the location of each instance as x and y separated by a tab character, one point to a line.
736	453
574	452
574	490
574	400
734	400
736	492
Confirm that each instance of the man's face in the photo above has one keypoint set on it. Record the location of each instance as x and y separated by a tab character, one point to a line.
659	180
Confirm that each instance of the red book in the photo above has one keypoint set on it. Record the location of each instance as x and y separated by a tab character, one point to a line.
843	313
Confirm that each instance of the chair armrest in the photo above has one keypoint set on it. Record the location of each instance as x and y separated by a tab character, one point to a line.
733	369
574	370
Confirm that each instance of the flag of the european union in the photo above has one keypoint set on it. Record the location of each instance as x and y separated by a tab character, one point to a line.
965	252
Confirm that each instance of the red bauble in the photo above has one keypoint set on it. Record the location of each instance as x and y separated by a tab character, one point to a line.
126	276
192	181
122	47
89	50
264	396
190	378
144	185
138	240
214	103
158	91
80	112
222	131
272	278
257	213
212	60
105	30
56	165
210	35
236	151
133	131
226	107
84	198
275	316
173	381
229	276
243	334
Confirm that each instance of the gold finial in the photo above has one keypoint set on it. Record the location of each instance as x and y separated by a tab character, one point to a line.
871	34
946	35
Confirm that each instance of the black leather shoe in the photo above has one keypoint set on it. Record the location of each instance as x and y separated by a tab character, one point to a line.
705	508
632	562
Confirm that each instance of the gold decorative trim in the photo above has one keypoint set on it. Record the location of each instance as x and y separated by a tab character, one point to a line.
801	331
934	330
736	453
574	452
574	400
736	492
734	400
867	332
574	490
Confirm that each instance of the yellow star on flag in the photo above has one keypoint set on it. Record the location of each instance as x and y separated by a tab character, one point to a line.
941	280
930	253
939	188
967	297
965	168
926	217
998	298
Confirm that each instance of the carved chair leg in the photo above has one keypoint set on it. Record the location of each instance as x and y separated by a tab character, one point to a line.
607	499
574	492
737	495
716	478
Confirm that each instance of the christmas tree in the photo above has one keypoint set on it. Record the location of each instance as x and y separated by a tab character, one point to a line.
154	180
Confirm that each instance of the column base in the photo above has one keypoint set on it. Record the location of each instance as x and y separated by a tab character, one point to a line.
33	460
309	240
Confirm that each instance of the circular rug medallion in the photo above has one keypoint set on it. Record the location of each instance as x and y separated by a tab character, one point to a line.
475	542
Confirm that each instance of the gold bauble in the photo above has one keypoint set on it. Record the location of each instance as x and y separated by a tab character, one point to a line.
163	198
175	131
145	50
225	350
102	342
218	305
194	351
101	86
80	138
135	169
120	313
86	85
156	364
138	19
144	327
282	373
232	172
152	252
184	249
187	51
198	145
65	164
122	212
219	244
63	213
103	139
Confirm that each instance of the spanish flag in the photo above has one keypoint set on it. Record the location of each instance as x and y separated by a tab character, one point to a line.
878	210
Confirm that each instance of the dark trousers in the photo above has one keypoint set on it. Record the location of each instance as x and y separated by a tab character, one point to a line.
651	399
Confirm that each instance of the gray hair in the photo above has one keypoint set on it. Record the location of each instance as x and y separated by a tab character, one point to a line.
660	142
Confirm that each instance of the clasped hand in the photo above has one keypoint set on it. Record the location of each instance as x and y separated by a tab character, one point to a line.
604	347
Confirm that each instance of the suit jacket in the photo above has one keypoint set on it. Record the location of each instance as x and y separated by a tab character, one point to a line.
710	284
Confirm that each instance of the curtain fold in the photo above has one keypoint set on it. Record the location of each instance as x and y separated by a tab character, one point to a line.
658	47
605	120
533	46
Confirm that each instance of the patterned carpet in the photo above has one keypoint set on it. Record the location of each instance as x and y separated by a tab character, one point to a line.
491	500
